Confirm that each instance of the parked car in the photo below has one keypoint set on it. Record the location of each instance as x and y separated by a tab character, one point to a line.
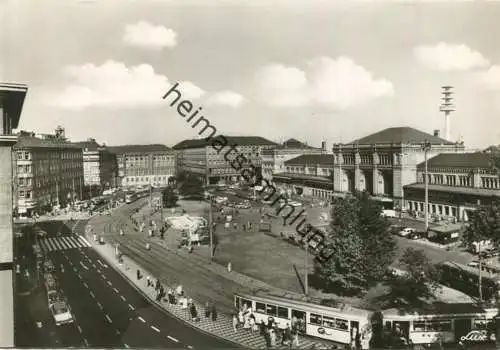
407	232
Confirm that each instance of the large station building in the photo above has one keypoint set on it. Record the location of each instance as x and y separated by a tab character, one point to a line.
457	184
384	162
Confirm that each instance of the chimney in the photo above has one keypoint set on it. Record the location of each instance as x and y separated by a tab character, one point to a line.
323	146
436	133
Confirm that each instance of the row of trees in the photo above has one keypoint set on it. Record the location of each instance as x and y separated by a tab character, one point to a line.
188	185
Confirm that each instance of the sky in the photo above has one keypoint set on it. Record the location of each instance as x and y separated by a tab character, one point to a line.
332	70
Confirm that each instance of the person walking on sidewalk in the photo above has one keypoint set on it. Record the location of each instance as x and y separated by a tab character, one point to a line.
148	281
235	322
207	309
214	313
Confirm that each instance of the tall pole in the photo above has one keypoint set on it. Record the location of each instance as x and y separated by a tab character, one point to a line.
57	191
210	227
426	147
480	271
73	191
81	188
306	273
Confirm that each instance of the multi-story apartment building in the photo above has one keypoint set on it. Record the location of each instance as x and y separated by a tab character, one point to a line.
48	172
199	157
100	167
140	165
457	184
383	162
273	159
11	104
308	175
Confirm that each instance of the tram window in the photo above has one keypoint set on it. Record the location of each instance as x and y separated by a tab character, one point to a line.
246	302
438	326
419	326
282	312
480	324
329	322
271	310
260	308
315	319
342	324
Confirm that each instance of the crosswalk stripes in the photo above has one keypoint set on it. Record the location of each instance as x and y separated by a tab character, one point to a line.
50	244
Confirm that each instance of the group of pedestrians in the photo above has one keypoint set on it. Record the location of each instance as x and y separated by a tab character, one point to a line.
245	319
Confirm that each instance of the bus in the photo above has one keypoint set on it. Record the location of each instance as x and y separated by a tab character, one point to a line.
466	279
340	325
131	197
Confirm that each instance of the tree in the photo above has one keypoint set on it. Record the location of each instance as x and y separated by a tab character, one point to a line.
359	245
419	280
191	186
169	198
484	225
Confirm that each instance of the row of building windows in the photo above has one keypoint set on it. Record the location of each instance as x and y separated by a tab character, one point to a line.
461	180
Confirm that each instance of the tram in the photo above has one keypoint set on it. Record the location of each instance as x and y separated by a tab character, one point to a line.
466	279
445	323
340	325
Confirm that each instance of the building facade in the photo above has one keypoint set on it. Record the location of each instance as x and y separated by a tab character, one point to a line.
200	158
11	104
308	175
142	165
383	162
100	167
48	173
273	159
457	184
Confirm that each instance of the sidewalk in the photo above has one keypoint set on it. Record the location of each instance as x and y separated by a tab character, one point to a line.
222	327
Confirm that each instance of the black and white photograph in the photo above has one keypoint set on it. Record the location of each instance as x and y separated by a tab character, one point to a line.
250	174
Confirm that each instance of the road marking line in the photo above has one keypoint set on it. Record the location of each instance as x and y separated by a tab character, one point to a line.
126	345
74	269
142	320
99	271
123	298
85	267
86	342
189	347
109	319
156	329
131	307
116	290
70	263
101	263
118	332
85	285
99	304
93	265
109	282
79	328
79	276
92	294
172	339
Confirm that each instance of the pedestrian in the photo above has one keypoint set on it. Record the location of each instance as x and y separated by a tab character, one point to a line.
138	274
295	336
207	309
214	313
235	322
229	267
148	281
194	312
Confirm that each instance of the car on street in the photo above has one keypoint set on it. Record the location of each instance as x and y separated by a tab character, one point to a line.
407	232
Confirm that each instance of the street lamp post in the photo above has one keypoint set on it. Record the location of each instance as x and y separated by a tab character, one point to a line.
306	277
426	147
210	227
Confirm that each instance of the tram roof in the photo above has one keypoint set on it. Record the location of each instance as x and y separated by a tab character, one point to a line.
293	300
437	309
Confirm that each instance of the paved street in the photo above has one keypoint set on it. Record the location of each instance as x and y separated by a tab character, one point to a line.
108	311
